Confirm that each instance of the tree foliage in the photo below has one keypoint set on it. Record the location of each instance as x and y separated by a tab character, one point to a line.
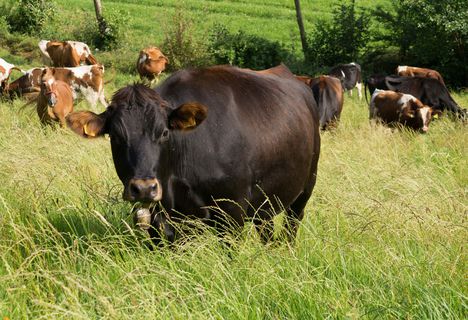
430	33
29	16
341	39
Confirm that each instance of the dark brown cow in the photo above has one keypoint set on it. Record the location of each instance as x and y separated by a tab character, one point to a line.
328	94
66	53
394	107
213	133
151	62
54	103
406	71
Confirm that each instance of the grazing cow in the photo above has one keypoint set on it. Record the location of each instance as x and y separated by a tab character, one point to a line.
350	76
28	83
213	133
5	72
394	107
85	81
66	53
430	91
406	71
328	94
151	62
54	102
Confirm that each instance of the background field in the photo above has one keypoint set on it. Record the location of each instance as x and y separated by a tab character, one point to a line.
384	234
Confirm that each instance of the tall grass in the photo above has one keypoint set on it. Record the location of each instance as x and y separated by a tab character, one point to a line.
383	236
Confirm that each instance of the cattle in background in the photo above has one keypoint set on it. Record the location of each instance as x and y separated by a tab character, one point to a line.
213	133
394	107
406	71
375	81
349	75
151	62
66	53
86	82
54	103
5	72
328	94
430	91
29	83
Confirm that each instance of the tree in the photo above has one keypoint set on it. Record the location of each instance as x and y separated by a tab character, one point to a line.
301	27
102	24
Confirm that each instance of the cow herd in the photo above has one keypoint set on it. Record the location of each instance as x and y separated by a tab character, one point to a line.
251	138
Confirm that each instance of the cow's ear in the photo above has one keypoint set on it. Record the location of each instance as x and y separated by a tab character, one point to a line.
87	124
409	112
187	116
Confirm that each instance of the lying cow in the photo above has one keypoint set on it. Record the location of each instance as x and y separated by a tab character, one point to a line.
349	75
151	62
66	53
5	72
54	102
29	83
86	82
406	71
394	107
183	146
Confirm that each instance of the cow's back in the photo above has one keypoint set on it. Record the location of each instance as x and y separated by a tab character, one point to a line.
261	129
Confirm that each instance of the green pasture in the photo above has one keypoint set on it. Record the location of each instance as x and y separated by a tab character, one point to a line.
384	234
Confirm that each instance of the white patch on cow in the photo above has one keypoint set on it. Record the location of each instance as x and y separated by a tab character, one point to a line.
79	72
372	108
142	59
80	47
405	98
402	69
43	47
91	96
51	81
353	63
7	66
425	117
359	89
344	76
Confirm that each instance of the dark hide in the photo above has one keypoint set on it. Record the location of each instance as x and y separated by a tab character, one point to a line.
352	74
214	133
328	95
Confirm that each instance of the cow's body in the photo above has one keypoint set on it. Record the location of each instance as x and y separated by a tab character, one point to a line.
86	82
54	103
66	53
28	83
151	62
407	71
5	72
328	94
250	135
394	107
349	75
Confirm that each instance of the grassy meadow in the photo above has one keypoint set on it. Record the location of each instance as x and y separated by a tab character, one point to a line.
384	234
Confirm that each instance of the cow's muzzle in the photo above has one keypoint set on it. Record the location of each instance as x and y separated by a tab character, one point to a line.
143	190
51	98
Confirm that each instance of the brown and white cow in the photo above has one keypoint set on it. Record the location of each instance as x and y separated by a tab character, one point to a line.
395	107
66	53
151	62
28	83
54	102
86	81
5	72
407	71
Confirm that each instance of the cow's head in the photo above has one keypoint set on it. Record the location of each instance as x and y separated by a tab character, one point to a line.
49	86
417	115
140	125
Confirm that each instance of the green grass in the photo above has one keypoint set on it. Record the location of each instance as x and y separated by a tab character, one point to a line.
384	235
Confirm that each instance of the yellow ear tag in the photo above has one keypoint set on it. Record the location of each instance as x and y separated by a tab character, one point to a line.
411	115
190	123
436	116
87	132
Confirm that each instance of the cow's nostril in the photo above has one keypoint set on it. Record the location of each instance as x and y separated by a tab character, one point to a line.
135	190
153	187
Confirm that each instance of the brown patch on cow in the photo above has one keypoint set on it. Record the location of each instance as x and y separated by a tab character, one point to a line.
63	106
421	72
305	79
151	62
63	54
187	116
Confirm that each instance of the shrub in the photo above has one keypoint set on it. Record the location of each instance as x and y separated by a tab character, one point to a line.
245	50
182	46
339	40
30	16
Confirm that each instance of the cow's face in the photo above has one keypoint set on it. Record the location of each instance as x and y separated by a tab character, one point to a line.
48	86
419	116
140	125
